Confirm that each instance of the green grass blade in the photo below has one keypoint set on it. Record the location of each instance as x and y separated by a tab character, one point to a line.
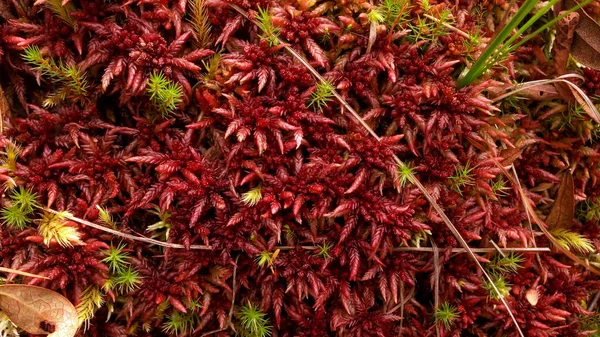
481	64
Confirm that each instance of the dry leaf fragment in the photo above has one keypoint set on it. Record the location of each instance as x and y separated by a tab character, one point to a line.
539	92
38	310
562	212
510	155
532	296
586	41
565	30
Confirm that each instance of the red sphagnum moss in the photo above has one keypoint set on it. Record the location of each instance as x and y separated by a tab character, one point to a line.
188	122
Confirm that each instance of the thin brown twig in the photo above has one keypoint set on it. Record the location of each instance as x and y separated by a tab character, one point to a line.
22	273
449	26
402	300
204	247
497	248
436	281
230	316
594	302
128	236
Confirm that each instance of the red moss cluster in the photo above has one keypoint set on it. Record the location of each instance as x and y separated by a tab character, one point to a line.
332	202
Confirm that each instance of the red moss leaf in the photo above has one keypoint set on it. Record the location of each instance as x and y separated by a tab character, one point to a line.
354	255
315	51
177	304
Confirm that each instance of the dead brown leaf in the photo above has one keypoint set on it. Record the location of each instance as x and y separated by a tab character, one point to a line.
510	155
541	92
586	41
38	310
565	30
562	212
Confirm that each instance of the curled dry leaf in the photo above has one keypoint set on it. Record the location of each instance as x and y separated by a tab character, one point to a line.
562	212
38	310
586	41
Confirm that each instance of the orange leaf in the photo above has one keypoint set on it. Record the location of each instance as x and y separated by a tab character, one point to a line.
38	310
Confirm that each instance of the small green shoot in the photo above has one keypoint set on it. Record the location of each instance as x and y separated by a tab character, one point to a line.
178	323
405	174
421	30
321	95
462	177
572	240
116	258
446	314
376	16
509	263
14	217
500	283
211	67
591	210
91	300
128	280
73	81
395	12
12	154
499	187
290	236
445	18
54	227
109	284
165	95
472	44
25	199
420	236
200	22
324	250
106	217
252	197
162	227
265	23
62	11
254	322
23	203
265	258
